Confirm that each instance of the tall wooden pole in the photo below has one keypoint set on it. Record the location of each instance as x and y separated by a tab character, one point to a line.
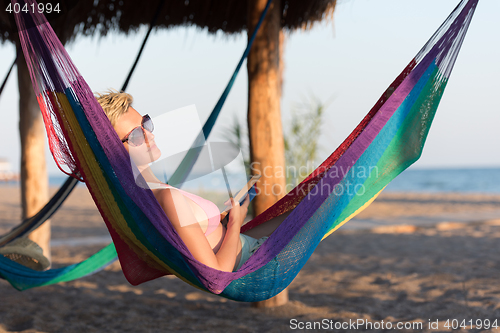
267	149
34	180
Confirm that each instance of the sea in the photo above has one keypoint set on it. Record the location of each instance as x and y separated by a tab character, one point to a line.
450	180
466	180
439	180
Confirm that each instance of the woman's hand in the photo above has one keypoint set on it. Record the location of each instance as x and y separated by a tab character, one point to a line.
238	213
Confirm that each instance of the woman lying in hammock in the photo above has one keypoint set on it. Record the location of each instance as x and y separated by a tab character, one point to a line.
196	220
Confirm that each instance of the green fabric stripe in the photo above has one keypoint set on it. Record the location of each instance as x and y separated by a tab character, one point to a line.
94	263
406	146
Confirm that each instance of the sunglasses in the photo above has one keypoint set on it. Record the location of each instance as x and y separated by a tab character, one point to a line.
137	136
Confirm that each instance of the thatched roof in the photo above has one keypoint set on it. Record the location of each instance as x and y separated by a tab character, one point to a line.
90	17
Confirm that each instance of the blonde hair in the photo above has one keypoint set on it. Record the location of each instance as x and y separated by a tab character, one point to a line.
114	103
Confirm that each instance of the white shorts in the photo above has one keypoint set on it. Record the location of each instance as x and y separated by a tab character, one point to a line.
248	246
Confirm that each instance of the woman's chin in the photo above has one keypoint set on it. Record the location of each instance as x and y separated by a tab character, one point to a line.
155	153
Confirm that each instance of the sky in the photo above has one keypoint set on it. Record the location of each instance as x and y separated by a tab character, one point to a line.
347	63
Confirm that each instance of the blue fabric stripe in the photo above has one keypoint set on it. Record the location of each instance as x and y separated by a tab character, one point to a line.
22	278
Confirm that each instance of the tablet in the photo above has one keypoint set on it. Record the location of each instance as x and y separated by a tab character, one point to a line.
247	189
242	193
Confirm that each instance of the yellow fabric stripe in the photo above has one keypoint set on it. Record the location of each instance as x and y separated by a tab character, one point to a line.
359	210
97	180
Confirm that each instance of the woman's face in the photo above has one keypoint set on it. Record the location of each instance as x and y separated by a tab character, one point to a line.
142	154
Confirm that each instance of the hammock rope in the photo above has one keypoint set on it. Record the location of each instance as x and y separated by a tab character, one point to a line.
187	163
387	141
7	76
151	26
30	224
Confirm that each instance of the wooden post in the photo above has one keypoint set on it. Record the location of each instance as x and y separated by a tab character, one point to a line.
267	149
34	180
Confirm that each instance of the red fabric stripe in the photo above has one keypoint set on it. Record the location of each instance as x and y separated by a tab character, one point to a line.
293	198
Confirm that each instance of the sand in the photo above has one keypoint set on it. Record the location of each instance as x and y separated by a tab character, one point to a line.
411	258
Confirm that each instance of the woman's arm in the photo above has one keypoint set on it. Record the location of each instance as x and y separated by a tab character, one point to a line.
231	240
183	220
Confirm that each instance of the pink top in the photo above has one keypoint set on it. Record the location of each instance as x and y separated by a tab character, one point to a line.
210	209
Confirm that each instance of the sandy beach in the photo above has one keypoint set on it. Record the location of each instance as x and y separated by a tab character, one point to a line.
407	259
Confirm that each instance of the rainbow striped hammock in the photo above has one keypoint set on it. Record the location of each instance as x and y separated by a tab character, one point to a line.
388	140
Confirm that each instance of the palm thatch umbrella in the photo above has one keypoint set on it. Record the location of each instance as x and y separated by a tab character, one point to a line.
264	67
